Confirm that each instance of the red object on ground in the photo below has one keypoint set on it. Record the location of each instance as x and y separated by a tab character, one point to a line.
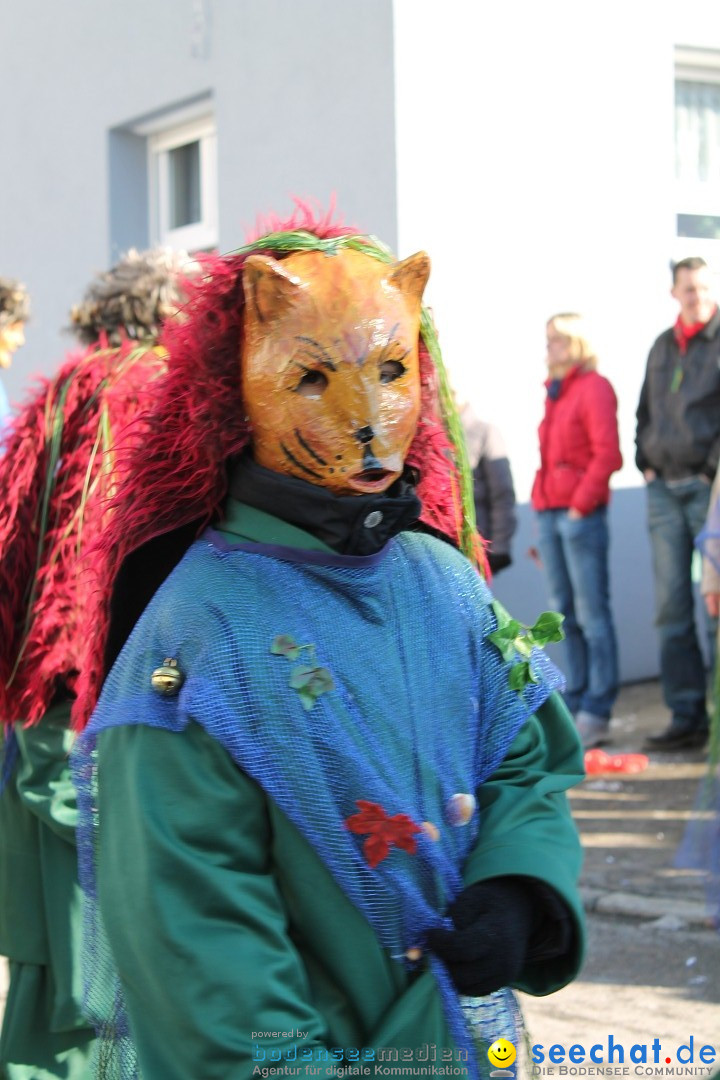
597	761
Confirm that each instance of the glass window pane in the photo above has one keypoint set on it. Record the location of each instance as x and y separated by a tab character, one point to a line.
697	131
184	174
700	226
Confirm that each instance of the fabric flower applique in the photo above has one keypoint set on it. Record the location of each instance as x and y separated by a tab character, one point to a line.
382	831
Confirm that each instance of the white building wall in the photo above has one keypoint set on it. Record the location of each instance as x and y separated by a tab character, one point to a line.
302	94
535	163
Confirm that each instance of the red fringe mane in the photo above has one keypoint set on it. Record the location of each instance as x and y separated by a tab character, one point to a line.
43	593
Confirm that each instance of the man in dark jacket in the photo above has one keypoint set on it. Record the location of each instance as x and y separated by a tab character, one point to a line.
678	447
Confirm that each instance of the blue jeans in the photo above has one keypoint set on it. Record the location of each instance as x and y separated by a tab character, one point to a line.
575	556
676	514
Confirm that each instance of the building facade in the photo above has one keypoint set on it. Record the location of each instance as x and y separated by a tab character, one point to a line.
550	157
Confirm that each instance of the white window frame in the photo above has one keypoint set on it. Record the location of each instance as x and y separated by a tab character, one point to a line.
165	132
703	66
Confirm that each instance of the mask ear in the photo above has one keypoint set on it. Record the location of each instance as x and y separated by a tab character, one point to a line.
410	276
269	289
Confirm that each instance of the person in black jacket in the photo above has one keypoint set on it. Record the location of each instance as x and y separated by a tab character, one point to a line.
493	488
678	448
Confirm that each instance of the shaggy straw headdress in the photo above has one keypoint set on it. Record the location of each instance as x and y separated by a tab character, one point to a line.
131	300
14	302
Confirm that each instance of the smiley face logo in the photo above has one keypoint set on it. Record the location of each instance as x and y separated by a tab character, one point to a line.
502	1053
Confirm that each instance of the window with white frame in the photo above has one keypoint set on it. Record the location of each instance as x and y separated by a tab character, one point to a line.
697	148
182	176
183	185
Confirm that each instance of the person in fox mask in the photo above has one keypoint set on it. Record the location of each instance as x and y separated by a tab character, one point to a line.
322	794
55	479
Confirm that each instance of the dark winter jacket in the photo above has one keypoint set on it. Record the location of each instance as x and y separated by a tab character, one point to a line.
579	445
678	418
493	488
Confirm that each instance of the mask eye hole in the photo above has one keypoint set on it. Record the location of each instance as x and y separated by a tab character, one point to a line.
312	385
390	370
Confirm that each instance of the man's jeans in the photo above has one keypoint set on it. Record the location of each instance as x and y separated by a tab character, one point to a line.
575	556
676	514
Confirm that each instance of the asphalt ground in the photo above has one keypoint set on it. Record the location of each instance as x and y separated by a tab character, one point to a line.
653	960
652	969
632	825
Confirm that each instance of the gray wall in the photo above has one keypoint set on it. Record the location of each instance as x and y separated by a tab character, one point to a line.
303	96
522	588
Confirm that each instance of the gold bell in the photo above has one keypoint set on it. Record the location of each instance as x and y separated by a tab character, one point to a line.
167	679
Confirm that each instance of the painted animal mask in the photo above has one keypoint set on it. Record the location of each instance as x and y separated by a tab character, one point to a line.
330	365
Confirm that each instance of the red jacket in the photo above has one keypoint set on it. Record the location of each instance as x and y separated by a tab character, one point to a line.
579	445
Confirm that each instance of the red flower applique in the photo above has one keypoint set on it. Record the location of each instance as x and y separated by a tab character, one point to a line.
383	831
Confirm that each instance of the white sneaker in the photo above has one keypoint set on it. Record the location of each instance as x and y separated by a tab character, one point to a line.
593	730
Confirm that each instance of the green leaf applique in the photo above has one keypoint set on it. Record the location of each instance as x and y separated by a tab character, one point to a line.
515	640
520	675
308	679
284	645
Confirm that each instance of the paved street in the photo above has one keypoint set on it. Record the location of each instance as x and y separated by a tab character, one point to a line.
653	962
640	982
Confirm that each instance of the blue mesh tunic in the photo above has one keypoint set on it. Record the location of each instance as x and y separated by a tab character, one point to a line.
417	709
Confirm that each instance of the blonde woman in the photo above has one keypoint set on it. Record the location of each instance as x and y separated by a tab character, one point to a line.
579	451
14	313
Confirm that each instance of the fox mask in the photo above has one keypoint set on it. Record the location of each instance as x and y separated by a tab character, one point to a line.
330	371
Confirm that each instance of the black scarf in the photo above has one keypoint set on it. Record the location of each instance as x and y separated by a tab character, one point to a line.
350	524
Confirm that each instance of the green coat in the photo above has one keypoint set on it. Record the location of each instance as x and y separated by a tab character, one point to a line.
225	924
43	1035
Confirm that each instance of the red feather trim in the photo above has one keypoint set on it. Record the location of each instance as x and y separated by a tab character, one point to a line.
50	515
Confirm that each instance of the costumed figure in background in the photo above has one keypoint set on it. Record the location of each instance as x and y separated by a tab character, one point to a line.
315	813
14	313
493	488
55	479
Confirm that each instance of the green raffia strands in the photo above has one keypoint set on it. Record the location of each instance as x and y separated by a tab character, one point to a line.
104	435
87	482
76	521
300	240
453	426
54	422
120	365
54	427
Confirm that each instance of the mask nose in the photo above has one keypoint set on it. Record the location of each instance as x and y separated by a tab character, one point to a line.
365	435
369	461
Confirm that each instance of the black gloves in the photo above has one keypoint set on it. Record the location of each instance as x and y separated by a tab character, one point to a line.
495	922
498	560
